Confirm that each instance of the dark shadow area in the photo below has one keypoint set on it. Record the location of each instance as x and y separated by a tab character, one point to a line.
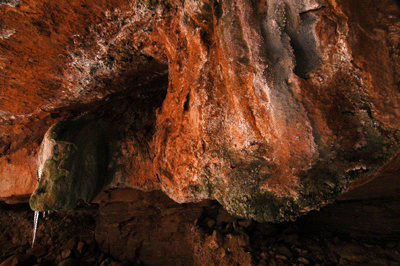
147	228
86	153
304	46
371	219
289	34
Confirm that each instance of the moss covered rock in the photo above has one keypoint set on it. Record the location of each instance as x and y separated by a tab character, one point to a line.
72	165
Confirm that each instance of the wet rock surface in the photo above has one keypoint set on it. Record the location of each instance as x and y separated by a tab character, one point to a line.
154	230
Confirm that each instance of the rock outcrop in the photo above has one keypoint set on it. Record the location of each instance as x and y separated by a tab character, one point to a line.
272	107
72	165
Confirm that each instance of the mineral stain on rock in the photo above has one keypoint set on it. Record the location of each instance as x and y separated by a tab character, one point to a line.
271	107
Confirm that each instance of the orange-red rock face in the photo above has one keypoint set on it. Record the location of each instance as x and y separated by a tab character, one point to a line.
270	107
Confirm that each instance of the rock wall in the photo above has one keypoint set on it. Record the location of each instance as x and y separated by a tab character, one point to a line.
271	107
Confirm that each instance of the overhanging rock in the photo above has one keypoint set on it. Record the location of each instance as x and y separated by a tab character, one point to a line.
270	107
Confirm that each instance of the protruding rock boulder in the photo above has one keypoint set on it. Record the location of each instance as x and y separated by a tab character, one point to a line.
273	108
72	165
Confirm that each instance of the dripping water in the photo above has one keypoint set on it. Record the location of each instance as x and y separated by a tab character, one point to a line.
35	223
36	217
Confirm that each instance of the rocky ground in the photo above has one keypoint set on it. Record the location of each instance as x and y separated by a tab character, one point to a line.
214	238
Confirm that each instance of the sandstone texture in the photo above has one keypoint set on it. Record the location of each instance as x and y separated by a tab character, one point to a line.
273	108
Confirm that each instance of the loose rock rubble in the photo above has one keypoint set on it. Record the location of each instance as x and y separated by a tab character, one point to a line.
64	238
215	237
285	244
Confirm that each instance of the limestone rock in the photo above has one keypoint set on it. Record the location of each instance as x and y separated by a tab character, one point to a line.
271	107
72	165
